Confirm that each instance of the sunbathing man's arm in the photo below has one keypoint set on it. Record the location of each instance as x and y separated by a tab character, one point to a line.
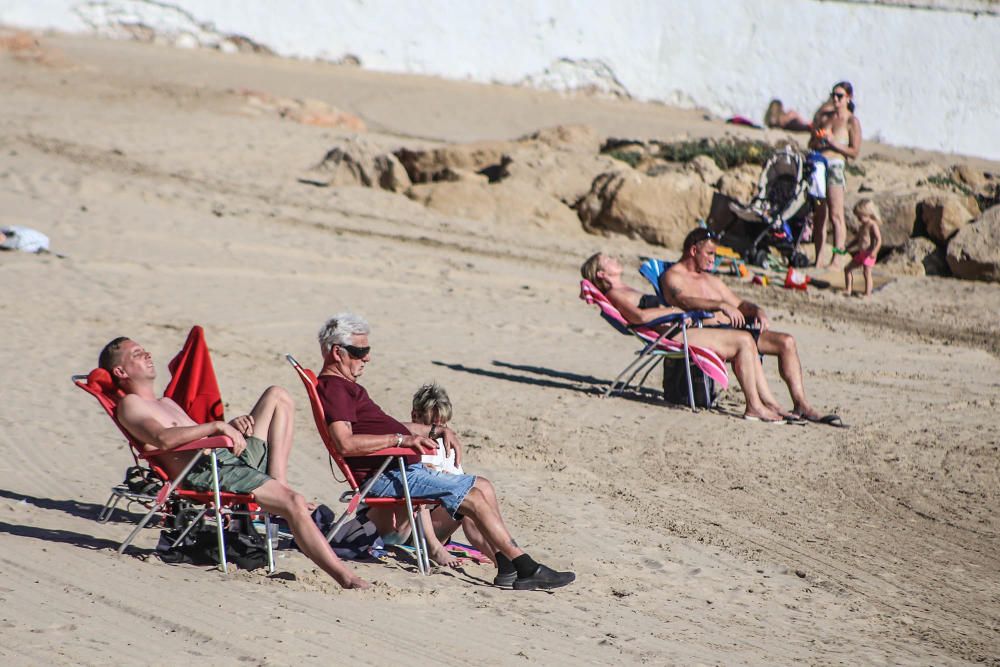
676	291
349	443
137	417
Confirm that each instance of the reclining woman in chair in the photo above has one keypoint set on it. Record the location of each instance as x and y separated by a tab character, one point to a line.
735	346
431	407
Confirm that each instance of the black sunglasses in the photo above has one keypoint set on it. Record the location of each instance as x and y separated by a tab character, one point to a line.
839	96
356	352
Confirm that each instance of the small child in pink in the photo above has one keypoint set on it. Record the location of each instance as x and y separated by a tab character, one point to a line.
869	242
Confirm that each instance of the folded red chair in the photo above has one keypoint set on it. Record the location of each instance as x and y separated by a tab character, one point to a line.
379	461
198	387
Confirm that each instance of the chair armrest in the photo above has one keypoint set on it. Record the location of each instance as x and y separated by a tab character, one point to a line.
393	451
215	442
666	319
699	315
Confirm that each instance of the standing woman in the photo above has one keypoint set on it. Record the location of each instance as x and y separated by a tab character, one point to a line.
837	136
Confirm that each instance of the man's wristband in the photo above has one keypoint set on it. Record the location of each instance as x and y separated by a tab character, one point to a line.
399	439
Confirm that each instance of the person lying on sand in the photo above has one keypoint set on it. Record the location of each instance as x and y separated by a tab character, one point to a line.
431	407
689	284
736	347
358	426
262	441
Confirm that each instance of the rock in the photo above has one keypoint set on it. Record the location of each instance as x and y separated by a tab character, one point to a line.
506	202
974	252
661	209
918	256
437	164
355	161
943	215
574	138
706	168
974	178
899	215
740	183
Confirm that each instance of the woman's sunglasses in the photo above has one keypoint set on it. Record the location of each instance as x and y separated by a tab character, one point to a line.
838	96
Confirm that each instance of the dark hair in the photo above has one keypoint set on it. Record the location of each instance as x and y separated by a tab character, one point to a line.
849	89
696	236
108	358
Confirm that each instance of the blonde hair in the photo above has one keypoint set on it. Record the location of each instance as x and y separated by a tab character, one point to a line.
430	400
590	269
868	207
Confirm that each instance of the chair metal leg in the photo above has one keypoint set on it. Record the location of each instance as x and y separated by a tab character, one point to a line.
415	529
270	547
161	499
362	494
190	527
109	507
640	359
219	532
687	369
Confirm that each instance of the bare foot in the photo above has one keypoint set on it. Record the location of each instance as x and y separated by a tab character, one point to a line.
806	412
442	556
355	582
848	292
763	414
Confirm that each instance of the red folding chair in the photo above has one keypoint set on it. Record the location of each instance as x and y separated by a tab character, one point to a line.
219	503
381	460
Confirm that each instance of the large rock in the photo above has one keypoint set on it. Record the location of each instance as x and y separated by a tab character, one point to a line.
357	161
919	256
439	164
573	138
661	209
740	183
943	215
899	215
706	169
509	202
974	252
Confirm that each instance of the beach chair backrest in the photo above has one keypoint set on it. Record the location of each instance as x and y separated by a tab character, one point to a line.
651	269
319	417
595	297
98	383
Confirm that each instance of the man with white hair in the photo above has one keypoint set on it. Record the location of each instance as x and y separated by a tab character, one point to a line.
359	427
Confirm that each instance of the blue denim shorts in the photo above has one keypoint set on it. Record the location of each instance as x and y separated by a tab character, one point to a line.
425	483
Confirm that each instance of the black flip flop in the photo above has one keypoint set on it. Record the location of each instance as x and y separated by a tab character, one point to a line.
829	420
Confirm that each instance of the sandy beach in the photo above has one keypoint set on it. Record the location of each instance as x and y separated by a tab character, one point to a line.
697	539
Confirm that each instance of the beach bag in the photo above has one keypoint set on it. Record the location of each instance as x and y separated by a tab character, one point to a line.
245	547
675	389
354	540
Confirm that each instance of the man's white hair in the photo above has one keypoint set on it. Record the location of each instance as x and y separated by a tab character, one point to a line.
341	330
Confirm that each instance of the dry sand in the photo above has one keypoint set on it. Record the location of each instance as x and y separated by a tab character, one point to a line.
697	538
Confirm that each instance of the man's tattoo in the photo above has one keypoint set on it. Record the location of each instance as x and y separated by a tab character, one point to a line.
676	291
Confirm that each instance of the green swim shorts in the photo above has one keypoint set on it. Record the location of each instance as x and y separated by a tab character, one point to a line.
237	474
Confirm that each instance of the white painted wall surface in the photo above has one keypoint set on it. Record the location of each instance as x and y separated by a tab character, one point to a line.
923	78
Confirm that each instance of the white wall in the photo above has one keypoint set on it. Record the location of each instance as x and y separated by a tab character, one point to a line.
923	78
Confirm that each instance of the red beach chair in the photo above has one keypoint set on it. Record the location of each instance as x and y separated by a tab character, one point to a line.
218	503
657	345
381	460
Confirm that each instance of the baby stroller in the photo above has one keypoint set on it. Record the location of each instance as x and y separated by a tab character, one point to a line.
776	216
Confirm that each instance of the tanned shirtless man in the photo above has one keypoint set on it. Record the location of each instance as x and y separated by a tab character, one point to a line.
736	347
262	441
689	284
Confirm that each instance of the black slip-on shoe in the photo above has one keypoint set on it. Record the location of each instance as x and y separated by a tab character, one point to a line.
504	579
544	578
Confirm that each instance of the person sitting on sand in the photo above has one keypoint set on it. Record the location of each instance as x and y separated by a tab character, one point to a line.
777	116
868	242
431	407
162	425
736	347
358	426
689	284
